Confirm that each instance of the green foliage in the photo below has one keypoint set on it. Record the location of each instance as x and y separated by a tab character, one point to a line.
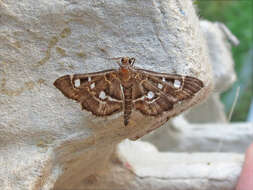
237	15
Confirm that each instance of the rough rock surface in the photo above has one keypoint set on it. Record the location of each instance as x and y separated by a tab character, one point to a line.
218	39
46	140
181	136
143	167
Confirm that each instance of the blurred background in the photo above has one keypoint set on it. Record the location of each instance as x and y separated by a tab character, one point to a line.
237	15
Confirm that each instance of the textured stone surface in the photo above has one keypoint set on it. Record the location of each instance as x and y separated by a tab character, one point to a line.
46	140
141	166
182	136
218	39
198	171
219	49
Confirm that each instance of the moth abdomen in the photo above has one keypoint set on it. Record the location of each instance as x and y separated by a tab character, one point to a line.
127	103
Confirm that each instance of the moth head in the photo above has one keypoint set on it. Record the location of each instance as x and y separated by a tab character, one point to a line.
127	61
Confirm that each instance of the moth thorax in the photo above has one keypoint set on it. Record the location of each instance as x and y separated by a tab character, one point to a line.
125	73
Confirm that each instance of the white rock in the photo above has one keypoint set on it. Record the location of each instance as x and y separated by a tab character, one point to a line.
143	167
218	38
46	140
182	136
198	171
220	53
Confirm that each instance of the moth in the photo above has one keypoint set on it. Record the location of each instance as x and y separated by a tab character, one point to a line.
128	88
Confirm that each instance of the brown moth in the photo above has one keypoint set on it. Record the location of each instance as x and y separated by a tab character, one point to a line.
110	91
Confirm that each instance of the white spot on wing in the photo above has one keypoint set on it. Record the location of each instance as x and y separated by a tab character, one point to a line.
160	86
89	79
177	84
102	95
92	85
77	83
163	79
150	95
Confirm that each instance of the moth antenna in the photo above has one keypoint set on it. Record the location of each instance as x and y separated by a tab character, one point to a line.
108	58
114	58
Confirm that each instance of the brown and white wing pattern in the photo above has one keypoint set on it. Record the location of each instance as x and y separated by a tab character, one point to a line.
99	93
161	91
